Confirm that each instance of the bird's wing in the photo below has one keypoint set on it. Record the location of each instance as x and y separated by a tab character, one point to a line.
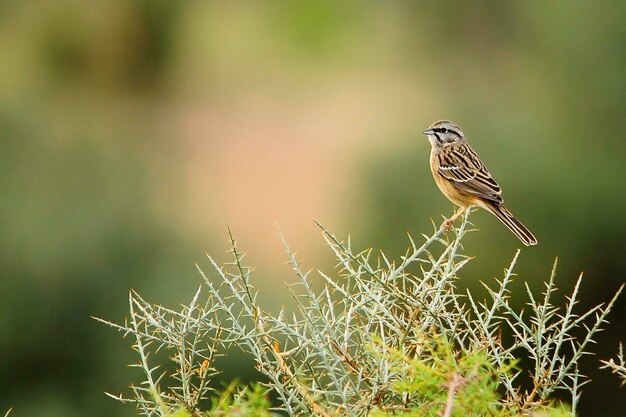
462	166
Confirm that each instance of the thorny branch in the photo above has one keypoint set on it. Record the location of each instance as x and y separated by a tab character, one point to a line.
319	359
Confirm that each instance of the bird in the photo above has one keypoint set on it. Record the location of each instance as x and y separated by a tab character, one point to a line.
465	180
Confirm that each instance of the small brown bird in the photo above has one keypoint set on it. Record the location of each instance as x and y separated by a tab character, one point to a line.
463	178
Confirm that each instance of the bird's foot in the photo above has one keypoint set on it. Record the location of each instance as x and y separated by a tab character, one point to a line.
448	223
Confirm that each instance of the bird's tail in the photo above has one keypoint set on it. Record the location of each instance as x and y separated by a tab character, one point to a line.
513	224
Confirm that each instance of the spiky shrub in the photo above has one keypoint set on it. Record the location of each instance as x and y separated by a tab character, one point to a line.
377	339
617	365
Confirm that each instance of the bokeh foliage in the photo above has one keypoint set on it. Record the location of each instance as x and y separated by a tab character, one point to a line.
92	162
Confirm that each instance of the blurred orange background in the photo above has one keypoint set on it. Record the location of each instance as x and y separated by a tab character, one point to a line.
133	132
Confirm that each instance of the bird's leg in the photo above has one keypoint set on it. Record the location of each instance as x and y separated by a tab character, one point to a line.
449	222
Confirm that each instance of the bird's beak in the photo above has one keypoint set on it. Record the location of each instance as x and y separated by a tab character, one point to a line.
428	132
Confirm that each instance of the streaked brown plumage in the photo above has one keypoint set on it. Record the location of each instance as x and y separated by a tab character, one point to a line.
463	178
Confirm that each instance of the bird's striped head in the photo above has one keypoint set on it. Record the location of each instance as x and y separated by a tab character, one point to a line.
443	133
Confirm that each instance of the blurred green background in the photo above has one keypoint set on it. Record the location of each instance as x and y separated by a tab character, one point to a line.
132	132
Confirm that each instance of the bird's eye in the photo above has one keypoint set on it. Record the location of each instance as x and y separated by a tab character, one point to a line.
443	130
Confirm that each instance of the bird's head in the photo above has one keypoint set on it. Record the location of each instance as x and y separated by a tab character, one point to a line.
444	133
